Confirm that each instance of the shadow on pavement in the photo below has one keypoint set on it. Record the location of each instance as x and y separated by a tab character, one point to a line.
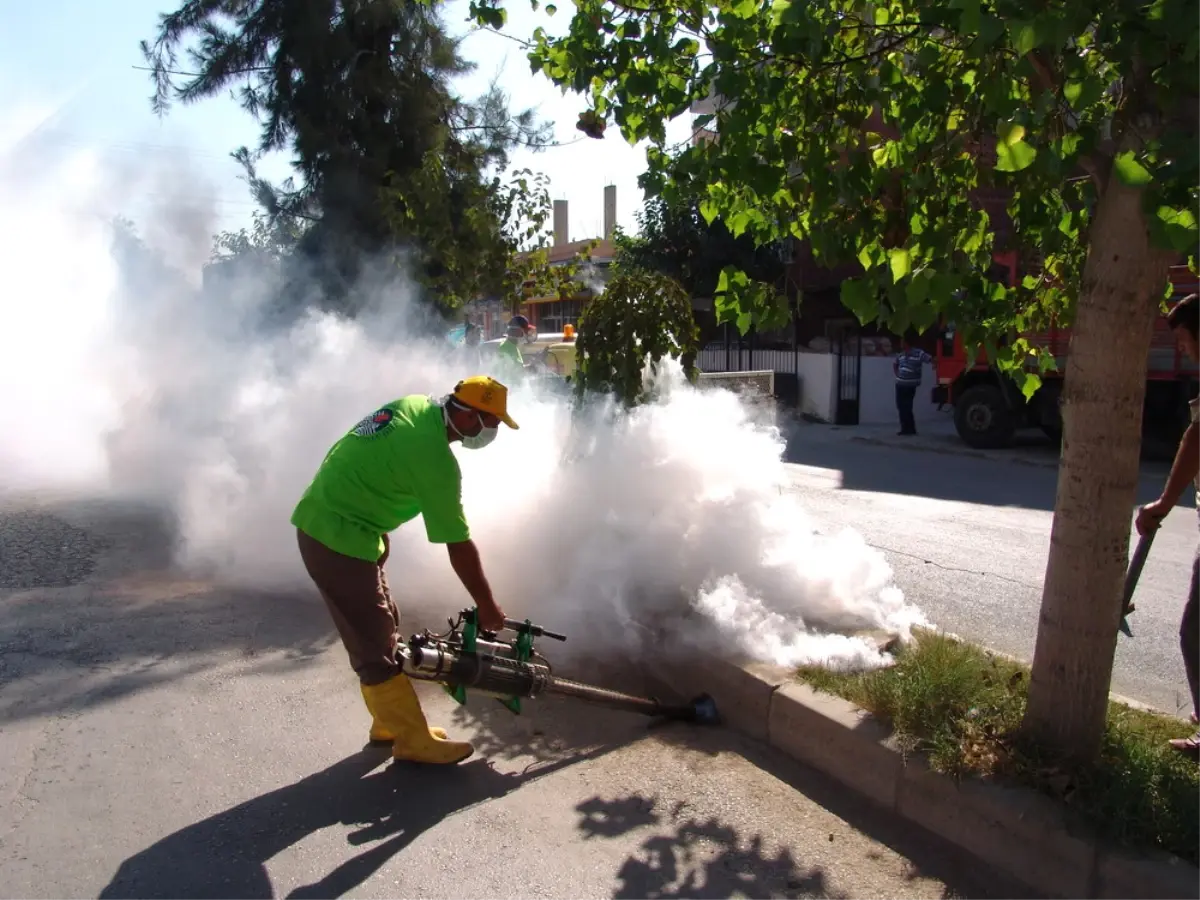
695	859
91	611
225	855
670	864
892	467
64	651
391	804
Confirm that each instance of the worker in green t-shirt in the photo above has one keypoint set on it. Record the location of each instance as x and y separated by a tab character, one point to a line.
508	354
392	466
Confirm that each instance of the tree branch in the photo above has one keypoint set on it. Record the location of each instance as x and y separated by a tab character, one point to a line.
1046	79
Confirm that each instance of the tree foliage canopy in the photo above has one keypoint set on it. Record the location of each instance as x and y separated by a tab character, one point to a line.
640	319
674	239
389	159
912	136
867	129
274	239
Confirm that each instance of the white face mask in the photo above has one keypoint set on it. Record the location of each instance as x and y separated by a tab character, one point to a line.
474	442
485	437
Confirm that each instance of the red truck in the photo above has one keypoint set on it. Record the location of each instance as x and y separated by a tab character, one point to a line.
989	409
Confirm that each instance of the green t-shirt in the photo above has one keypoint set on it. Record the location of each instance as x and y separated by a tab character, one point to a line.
510	358
391	467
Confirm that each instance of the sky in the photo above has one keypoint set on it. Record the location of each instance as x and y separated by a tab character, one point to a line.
68	80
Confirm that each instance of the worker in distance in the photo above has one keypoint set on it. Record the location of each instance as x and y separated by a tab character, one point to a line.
394	465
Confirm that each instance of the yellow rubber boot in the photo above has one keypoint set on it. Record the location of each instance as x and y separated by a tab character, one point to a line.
398	710
380	735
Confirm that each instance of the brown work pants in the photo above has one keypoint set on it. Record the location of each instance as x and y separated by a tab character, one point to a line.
356	593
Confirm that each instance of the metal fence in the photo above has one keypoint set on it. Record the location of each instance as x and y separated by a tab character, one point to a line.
746	359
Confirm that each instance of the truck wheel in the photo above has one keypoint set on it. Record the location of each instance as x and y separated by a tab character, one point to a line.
983	419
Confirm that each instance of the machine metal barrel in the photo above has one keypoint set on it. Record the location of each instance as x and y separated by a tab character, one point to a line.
484	672
489	673
466	658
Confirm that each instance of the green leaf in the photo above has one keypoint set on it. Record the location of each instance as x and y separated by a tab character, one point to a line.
788	12
726	308
1068	144
990	29
493	17
871	255
917	291
551	9
738	221
1011	132
1192	50
1024	36
1027	381
1130	171
859	297
968	20
1174	228
941	290
708	209
900	261
731	279
922	316
1014	157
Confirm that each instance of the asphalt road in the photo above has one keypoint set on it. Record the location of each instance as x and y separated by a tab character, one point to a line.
967	535
164	738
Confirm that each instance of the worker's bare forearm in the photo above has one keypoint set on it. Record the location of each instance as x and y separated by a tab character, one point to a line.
1183	470
468	566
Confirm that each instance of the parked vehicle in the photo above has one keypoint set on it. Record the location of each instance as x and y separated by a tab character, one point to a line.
989	409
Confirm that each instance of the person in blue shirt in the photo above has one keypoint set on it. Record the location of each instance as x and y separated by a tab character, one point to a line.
908	366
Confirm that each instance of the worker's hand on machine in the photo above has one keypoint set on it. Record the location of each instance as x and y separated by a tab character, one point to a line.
1150	516
491	618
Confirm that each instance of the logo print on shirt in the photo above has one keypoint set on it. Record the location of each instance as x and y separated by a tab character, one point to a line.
373	423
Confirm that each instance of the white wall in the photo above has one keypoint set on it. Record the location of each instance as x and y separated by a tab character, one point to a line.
877	394
817	384
816	372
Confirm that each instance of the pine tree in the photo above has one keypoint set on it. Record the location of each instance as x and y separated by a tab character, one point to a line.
391	163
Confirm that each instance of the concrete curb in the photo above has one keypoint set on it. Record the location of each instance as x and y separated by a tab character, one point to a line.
1015	830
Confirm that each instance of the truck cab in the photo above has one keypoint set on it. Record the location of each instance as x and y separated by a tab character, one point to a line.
989	409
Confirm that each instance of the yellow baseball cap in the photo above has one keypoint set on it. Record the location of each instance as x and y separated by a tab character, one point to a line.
485	394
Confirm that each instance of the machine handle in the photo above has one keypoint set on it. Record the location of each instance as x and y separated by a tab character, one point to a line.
1136	563
535	630
470	615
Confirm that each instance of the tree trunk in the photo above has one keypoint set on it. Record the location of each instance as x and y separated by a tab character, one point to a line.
1103	393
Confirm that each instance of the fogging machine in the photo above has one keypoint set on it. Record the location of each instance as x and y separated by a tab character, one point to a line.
466	657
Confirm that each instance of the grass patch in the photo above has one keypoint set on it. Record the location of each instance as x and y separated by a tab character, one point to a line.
961	706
